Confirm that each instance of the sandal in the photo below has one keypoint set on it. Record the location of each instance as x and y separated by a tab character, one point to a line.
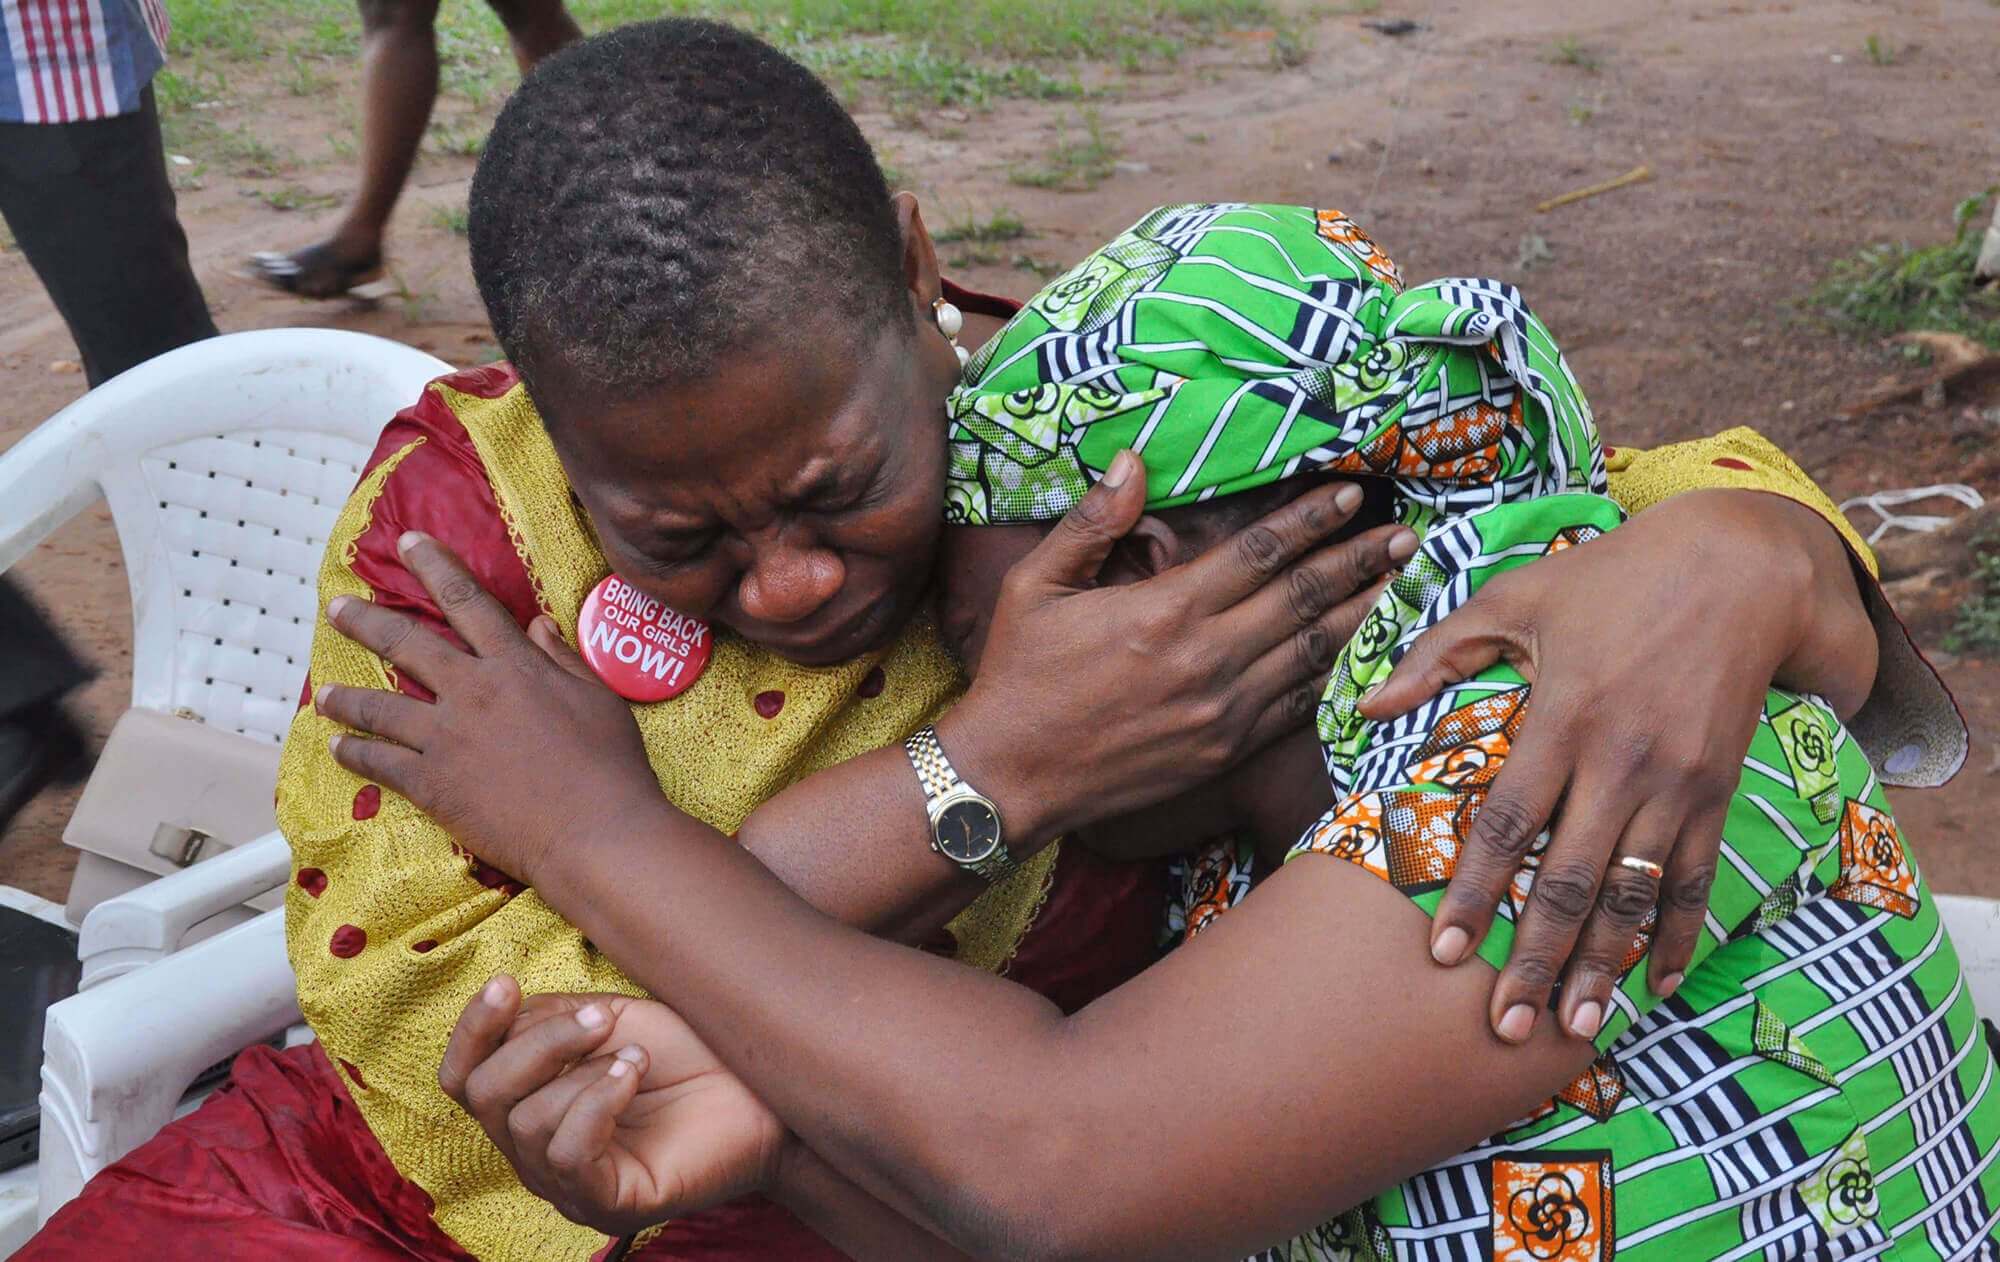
314	271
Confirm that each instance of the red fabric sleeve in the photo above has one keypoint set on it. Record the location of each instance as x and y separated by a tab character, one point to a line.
440	488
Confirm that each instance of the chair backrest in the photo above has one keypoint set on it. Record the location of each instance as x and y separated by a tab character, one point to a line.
224	464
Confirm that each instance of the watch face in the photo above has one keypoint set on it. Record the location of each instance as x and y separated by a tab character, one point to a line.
968	831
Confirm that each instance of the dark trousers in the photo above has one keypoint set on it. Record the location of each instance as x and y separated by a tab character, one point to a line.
92	208
35	666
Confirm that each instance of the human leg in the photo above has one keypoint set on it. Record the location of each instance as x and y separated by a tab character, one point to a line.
536	28
93	209
38	742
399	78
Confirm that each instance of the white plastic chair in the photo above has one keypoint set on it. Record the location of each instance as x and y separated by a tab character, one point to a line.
224	464
1975	930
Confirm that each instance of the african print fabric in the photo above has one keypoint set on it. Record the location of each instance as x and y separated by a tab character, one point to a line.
1818	1086
1234	345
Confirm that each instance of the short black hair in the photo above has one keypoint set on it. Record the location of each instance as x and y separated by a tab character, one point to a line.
651	197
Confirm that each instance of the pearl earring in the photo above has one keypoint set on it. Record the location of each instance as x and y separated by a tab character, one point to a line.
950	321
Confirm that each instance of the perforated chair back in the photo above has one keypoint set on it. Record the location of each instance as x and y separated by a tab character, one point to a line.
224	464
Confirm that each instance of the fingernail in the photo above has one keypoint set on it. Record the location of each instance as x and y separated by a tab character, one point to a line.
1347	498
493	993
1403	546
333	744
1123	465
1669	984
320	695
409	539
1587	1020
619	1068
338	606
630	1053
1518	1024
1372	689
593	1017
1449	948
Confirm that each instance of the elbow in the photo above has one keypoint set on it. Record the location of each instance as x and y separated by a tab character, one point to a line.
1043	1201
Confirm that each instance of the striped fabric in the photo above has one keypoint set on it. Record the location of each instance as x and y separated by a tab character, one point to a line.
1818	1087
70	61
1233	345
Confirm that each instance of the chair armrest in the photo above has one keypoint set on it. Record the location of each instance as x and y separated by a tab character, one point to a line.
139	928
46	478
117	1059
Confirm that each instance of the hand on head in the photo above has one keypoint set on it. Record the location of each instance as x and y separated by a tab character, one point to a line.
1163	683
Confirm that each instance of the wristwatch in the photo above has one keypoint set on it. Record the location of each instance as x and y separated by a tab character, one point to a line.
965	825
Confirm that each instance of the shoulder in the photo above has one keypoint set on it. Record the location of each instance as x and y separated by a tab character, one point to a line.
439	485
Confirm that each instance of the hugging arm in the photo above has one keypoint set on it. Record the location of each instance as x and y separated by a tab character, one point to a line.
1209	662
1687	614
1324	1055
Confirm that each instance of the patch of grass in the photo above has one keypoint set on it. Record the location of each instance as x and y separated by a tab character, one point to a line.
920	75
1882	53
1570	51
1894	287
250	156
1976	626
294	196
1291	47
302	77
451	218
1002	225
250	30
458	139
1074	164
934	51
192	86
1583	113
1044	268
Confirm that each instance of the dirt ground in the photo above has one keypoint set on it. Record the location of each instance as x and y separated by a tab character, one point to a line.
1774	141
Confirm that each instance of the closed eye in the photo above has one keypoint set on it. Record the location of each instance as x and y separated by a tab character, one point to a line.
664	555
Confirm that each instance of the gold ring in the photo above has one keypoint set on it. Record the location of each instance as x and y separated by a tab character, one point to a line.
1637	864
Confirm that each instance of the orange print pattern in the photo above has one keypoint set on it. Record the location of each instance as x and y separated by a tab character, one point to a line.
1342	231
1552	1207
1875	869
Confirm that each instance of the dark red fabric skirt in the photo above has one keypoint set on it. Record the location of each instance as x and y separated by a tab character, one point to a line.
278	1164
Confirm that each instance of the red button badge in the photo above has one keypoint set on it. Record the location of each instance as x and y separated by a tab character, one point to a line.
641	649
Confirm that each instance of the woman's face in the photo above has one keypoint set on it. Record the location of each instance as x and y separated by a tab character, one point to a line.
794	496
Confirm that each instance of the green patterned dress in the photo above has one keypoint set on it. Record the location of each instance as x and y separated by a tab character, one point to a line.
1819	1086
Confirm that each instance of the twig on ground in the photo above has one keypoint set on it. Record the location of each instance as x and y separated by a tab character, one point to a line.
1637	175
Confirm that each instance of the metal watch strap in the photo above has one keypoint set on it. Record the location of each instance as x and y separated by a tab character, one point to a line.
939	778
933	768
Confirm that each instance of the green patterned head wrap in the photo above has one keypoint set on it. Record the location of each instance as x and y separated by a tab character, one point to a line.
1234	345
